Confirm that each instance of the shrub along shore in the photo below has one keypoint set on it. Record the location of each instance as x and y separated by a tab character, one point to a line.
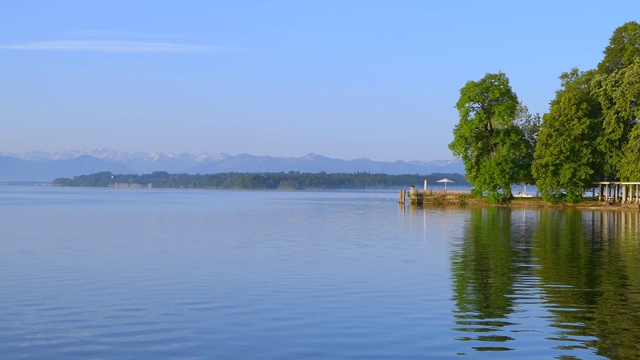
457	198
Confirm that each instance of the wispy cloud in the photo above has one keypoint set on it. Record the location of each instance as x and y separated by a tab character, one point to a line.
110	46
114	34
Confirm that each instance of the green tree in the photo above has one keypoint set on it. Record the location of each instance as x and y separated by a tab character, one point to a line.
567	158
623	49
492	146
590	132
630	161
619	96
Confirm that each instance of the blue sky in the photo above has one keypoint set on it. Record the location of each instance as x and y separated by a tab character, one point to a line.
340	78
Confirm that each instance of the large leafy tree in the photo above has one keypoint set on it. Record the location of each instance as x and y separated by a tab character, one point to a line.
567	159
619	96
591	133
617	88
492	146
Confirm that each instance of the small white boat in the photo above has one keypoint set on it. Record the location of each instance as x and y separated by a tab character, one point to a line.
523	194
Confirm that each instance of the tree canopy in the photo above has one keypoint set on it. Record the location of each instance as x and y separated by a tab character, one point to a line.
590	133
623	49
566	156
495	136
619	96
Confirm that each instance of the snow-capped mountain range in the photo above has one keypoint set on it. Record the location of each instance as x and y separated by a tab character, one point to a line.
45	166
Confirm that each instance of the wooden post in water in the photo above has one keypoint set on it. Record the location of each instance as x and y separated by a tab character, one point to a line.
413	194
401	196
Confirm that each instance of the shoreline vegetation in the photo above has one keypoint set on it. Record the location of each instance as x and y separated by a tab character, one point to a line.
465	198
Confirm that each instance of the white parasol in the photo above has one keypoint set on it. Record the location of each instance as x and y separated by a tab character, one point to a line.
445	181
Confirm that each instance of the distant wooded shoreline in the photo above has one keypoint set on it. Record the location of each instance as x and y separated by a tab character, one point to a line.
291	180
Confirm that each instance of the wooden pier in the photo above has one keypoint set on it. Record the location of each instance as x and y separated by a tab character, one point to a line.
614	194
419	197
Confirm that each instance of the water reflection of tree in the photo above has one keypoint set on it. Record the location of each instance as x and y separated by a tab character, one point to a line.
485	267
590	267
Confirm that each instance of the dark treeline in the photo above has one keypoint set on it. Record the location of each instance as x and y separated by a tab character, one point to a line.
290	180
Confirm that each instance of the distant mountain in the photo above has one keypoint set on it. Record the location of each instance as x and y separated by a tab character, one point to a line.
42	166
140	162
13	169
316	163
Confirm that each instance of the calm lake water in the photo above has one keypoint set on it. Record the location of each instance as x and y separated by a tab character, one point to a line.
187	274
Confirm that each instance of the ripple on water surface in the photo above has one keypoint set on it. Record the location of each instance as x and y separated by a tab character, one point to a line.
273	275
